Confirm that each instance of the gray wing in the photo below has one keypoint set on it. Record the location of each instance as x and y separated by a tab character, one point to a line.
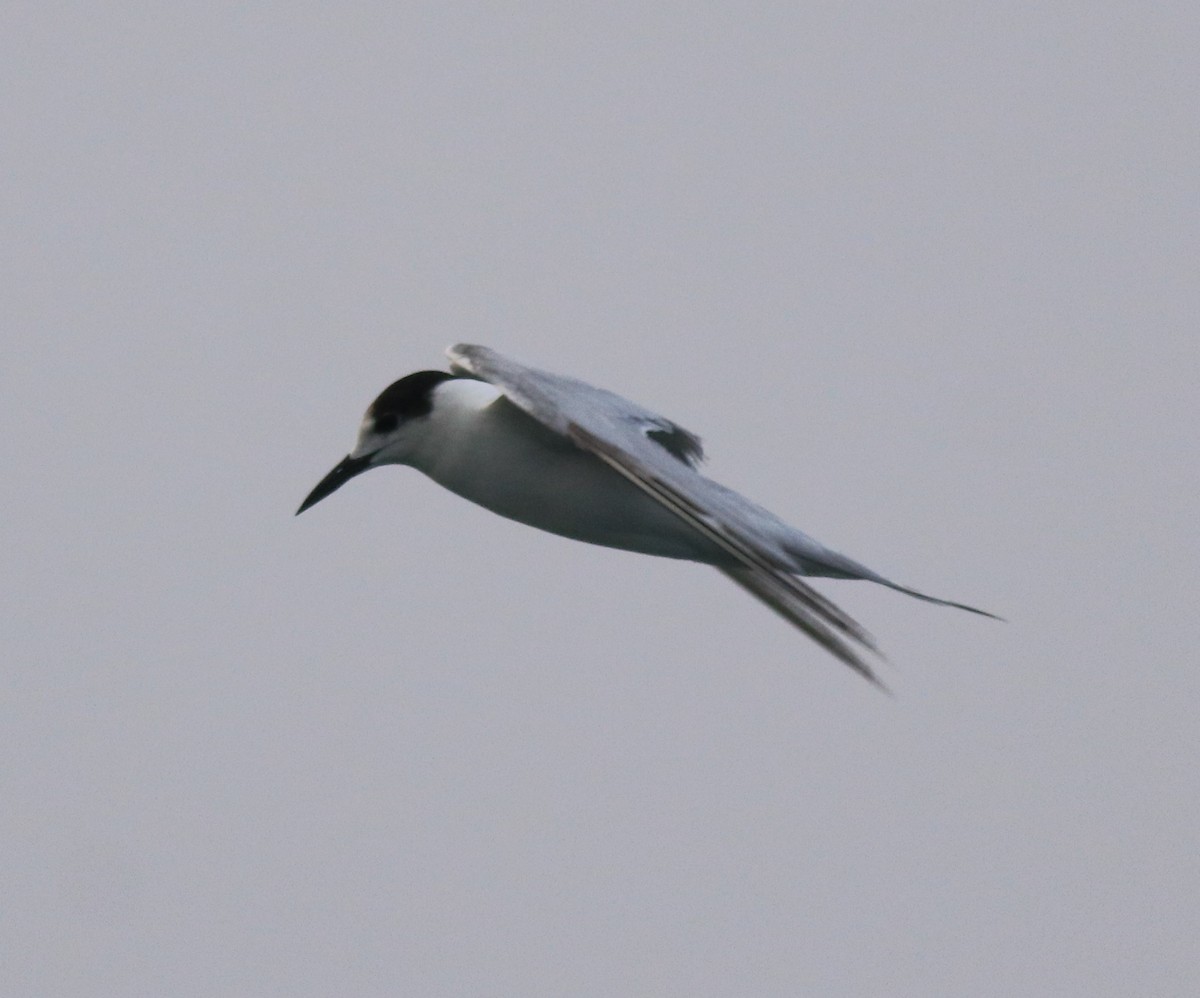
558	402
631	440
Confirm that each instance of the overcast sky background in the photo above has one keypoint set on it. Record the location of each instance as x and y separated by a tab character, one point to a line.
924	277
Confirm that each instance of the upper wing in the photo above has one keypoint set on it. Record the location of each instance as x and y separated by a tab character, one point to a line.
557	401
630	440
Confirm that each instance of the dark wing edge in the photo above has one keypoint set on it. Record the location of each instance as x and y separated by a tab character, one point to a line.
681	444
799	604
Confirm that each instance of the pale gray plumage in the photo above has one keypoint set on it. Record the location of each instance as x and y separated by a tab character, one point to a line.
561	455
764	554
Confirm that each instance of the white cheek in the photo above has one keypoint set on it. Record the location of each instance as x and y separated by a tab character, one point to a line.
384	448
368	442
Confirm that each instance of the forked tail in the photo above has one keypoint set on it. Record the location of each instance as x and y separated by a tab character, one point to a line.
834	565
934	599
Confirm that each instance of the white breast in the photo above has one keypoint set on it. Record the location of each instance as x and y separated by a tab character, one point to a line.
482	447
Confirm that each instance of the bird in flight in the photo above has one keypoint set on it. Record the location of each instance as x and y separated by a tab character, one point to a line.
556	453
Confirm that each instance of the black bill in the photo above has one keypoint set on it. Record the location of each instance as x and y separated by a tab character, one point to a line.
347	468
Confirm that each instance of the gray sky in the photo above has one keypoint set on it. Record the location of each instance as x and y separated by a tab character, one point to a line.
924	277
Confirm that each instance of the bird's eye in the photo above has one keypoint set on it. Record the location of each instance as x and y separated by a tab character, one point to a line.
386	422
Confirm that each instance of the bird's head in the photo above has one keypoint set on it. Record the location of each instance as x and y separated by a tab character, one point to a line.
391	429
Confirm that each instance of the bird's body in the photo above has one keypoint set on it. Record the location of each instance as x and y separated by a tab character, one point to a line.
581	462
485	449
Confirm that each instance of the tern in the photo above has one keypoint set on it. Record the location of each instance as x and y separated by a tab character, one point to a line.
558	454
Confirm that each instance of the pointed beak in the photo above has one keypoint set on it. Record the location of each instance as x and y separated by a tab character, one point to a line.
347	468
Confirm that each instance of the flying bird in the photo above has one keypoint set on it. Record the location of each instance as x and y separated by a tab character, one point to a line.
556	453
